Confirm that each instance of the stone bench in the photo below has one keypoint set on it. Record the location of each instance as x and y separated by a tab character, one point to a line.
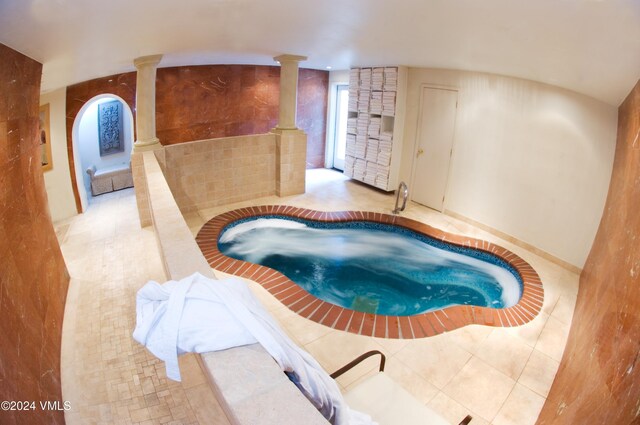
109	179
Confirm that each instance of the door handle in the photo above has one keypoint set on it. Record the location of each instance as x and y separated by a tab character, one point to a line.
420	152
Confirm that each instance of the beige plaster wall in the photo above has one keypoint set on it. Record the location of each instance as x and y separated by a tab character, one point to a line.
597	382
57	181
529	159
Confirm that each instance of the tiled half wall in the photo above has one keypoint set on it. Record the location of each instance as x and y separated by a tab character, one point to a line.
213	172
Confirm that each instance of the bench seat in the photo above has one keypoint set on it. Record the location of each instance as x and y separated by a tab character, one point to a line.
110	178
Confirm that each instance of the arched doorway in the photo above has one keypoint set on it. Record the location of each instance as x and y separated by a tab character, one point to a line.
87	149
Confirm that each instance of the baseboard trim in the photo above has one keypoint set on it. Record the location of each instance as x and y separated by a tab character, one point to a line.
544	254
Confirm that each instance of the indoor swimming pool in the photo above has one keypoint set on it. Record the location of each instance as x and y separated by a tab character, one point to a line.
373	267
380	282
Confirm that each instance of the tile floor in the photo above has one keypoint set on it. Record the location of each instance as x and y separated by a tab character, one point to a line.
499	375
106	376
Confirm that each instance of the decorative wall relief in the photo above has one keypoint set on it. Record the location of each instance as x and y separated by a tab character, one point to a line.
110	129
45	139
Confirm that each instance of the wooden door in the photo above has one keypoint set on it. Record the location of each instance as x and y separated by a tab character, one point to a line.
434	146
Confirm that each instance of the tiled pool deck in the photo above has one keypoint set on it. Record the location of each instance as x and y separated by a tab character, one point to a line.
500	376
405	327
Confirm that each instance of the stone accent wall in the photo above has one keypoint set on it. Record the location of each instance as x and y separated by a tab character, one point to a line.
597	382
33	275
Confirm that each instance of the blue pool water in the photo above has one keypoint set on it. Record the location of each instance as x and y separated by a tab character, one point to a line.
373	267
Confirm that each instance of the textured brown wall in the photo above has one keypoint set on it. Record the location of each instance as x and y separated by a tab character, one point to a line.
313	91
211	101
206	102
599	377
33	276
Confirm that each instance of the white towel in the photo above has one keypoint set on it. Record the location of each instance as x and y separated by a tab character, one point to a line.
198	314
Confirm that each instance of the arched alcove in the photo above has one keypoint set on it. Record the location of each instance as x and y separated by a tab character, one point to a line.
85	141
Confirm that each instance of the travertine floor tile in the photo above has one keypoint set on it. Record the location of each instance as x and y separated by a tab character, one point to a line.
563	311
453	411
522	407
504	352
553	338
480	388
436	359
539	373
470	337
411	381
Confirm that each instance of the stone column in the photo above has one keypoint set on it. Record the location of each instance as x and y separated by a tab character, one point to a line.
146	103
288	90
146	139
291	142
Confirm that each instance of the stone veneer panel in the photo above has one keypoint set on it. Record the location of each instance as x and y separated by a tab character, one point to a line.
140	183
405	327
33	276
290	169
598	379
207	173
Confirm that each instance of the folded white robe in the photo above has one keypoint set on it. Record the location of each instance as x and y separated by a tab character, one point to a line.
199	314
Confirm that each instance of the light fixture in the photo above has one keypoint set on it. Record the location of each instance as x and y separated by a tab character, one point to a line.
328	67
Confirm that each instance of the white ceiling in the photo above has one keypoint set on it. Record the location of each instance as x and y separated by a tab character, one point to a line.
589	46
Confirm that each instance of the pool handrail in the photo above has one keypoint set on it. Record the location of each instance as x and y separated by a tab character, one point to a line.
405	194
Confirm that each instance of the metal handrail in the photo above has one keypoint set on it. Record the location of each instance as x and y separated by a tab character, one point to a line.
359	359
383	359
405	194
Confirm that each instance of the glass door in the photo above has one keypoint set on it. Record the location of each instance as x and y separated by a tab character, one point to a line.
340	136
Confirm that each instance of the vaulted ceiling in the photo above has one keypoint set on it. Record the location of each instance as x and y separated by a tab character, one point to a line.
588	46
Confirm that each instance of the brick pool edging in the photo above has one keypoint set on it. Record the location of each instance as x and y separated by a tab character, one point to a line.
336	317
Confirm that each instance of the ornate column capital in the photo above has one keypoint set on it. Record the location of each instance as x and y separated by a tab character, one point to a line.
289	58
142	61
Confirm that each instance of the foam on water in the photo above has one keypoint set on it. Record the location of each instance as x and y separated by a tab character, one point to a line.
276	223
258	240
